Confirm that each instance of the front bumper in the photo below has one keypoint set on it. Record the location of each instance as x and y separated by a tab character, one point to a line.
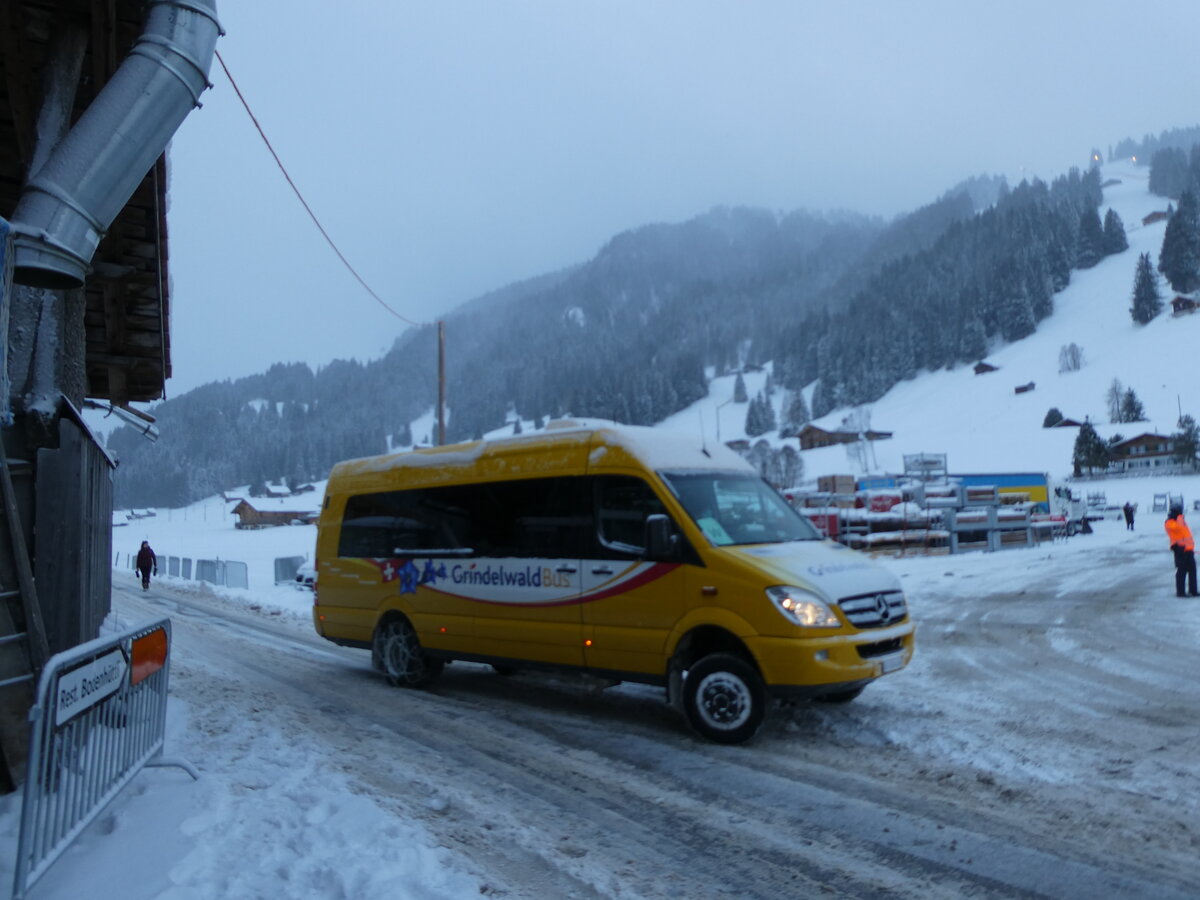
813	665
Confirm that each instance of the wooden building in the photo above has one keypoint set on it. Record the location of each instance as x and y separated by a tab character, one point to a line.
92	330
250	516
1144	452
1182	305
811	437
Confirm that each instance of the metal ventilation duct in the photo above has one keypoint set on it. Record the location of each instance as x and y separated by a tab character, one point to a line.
69	203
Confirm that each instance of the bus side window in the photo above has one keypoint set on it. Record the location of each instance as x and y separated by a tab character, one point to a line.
537	518
375	526
622	504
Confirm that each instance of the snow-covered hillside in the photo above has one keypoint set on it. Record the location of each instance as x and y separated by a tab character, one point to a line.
978	421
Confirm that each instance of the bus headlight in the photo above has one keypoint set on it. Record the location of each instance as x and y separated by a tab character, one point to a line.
803	608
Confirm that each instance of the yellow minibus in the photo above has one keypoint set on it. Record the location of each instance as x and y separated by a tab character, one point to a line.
615	551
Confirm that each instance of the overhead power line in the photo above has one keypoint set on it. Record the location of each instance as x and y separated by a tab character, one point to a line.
304	202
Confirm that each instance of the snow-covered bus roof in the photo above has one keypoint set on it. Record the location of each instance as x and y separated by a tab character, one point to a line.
655	449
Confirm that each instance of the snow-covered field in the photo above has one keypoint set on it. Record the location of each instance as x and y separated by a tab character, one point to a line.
1048	706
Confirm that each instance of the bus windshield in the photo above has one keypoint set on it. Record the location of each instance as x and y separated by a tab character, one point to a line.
738	508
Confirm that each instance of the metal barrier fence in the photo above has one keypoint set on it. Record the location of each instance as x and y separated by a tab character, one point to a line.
100	717
220	572
991	530
286	568
211	570
237	574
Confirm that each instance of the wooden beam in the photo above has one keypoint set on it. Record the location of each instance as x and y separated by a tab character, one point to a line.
118	386
122	360
17	77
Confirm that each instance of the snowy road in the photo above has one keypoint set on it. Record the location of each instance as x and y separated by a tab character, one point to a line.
1044	743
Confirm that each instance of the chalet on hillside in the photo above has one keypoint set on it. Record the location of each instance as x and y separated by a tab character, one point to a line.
811	437
1181	305
1147	451
1023	388
250	517
983	367
1157	216
1067	423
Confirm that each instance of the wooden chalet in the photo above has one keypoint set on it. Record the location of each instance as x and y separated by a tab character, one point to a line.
1067	423
1157	216
1145	452
1024	388
811	437
251	517
1182	305
982	368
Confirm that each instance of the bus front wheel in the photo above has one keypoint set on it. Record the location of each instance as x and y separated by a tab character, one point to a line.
400	657
724	698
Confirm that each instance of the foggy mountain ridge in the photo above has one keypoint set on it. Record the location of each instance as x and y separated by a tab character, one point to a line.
634	334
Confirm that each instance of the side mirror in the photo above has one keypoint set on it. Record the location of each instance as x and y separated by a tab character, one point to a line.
660	542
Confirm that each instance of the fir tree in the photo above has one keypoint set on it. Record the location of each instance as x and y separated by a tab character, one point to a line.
1090	248
823	398
739	389
1169	174
1016	313
1179	259
760	417
1131	407
768	413
972	342
1114	234
754	419
1186	442
795	415
1147	303
1090	451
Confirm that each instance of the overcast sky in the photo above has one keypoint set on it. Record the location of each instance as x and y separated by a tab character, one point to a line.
451	148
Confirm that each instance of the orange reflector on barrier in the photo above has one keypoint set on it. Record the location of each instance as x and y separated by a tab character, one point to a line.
149	654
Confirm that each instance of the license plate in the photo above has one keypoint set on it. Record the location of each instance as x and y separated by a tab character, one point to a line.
891	663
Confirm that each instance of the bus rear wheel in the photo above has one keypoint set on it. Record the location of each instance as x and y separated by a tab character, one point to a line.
399	655
724	698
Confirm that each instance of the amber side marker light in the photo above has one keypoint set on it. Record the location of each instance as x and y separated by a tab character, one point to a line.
588	642
148	655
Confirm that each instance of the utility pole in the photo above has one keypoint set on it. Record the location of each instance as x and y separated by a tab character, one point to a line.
441	402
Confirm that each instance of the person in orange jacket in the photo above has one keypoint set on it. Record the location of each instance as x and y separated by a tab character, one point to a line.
1184	548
